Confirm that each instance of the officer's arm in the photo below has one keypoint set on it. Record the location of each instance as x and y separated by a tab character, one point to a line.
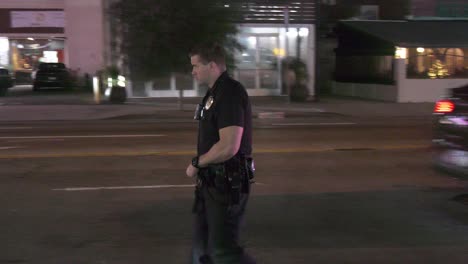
227	146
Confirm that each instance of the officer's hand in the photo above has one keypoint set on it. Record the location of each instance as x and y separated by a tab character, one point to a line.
191	171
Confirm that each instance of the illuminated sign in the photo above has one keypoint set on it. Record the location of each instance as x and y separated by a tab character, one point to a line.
29	19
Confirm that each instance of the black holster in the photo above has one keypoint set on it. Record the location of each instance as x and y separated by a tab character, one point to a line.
231	177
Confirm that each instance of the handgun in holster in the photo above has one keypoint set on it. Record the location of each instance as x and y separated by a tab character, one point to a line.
234	182
227	180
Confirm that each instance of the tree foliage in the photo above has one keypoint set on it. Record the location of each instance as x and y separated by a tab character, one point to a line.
157	35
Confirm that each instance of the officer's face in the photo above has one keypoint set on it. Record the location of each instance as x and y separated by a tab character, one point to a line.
200	71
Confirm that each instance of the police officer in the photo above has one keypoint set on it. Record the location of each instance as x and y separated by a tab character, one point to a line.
223	165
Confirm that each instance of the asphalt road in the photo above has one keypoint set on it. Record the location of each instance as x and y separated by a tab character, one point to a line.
115	192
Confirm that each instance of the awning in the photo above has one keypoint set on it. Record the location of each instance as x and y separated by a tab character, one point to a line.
413	33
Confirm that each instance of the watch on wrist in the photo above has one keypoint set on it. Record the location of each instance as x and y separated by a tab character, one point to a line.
195	162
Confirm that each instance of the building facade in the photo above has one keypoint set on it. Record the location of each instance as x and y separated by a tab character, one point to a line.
68	31
396	58
401	61
81	35
270	30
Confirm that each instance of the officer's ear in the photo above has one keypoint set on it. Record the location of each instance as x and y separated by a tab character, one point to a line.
212	64
215	65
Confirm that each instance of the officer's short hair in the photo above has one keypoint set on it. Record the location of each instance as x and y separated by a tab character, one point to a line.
210	52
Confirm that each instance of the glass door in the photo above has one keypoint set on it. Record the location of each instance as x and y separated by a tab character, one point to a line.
258	64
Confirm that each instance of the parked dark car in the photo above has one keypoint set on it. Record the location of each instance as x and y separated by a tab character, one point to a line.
6	81
52	75
450	139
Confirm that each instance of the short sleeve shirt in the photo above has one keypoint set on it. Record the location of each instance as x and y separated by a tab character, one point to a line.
225	104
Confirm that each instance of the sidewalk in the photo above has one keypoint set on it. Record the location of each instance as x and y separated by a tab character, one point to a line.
84	108
348	107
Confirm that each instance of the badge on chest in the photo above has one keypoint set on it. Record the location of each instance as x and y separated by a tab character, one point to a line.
209	102
199	112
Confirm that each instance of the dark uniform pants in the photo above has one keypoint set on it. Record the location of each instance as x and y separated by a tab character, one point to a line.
217	225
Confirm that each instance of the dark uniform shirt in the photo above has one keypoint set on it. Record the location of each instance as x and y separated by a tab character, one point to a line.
225	104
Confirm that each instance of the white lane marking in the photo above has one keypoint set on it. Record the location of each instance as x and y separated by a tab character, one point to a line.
311	110
78	189
314	124
11	128
12	147
93	136
35	140
74	189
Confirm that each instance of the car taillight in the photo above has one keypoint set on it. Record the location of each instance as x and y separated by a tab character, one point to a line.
444	106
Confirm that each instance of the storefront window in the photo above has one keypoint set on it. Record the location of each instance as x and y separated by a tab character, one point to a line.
437	63
258	65
26	54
